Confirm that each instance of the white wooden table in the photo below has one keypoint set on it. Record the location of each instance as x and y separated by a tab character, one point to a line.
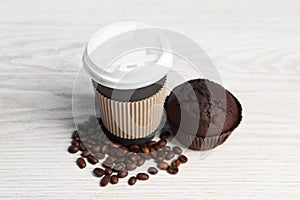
255	45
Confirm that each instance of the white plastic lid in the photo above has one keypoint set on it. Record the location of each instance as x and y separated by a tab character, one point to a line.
127	55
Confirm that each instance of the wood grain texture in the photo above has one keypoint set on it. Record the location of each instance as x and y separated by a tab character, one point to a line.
255	45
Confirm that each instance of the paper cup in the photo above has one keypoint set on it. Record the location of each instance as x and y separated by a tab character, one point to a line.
129	81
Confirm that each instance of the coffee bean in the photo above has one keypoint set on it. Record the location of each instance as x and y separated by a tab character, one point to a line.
177	150
182	158
140	162
130	167
92	159
133	158
175	163
167	148
75	134
122	174
96	148
142	176
111	159
133	148
120	160
119	167
159	159
82	147
145	149
76	143
115	145
107	164
161	153
170	155
152	170
104	149
114	179
172	170
99	155
162	143
83	138
132	180
154	154
108	171
105	180
165	134
98	172
147	155
151	143
86	153
163	165
81	163
73	149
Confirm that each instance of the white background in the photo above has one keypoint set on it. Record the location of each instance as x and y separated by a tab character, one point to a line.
255	45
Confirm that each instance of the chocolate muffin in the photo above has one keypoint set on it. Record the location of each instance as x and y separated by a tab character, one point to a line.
202	113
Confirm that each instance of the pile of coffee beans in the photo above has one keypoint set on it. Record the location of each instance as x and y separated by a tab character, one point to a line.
118	160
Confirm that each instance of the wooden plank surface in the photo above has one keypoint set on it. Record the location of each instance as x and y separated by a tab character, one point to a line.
255	45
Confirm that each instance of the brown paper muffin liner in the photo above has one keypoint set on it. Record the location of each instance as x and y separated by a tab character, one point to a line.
131	120
200	143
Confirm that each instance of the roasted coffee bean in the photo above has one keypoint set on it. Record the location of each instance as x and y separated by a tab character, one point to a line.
154	154
86	153
145	149
96	148
151	143
182	158
132	180
122	174
165	134
115	145
175	163
147	155
108	171
119	167
130	167
73	149
152	170
160	158
163	165
172	170
169	155
133	148
104	149
99	155
83	138
161	153
120	160
92	159
75	134
156	147
133	158
177	150
75	143
98	172
140	161
111	159
82	147
120	153
114	179
142	176
167	148
162	143
105	180
124	148
81	163
107	164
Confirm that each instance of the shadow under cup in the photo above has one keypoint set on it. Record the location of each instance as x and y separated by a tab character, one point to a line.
131	116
